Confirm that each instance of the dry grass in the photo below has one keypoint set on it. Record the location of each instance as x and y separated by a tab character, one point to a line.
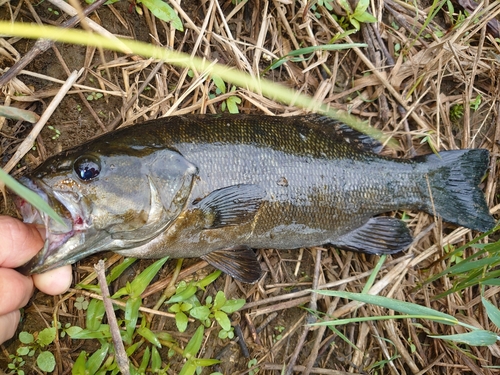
407	82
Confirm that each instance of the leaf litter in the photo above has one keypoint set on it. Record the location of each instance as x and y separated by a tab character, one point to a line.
429	77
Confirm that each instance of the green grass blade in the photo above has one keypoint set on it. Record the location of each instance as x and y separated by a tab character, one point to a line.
476	338
393	304
492	311
33	198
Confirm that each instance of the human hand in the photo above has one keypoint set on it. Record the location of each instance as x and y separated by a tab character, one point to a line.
19	242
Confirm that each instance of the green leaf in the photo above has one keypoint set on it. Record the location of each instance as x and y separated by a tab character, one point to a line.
393	304
361	7
141	282
355	23
79	365
131	317
207	280
73	330
366	18
95	360
181	321
475	338
220	300
119	269
492	311
144	362
345	5
164	12
46	361
205	362
46	336
155	360
23	350
219	83
18	114
200	312
223	320
233	305
232	104
33	198
102	332
189	368
183	295
26	338
149	335
95	314
194	345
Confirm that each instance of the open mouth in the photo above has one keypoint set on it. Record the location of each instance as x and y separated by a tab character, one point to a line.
56	235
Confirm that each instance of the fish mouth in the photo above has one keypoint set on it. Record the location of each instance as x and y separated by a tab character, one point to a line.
61	240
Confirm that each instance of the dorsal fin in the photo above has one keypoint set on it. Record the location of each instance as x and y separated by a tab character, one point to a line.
342	132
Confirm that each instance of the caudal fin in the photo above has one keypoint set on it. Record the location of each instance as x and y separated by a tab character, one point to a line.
453	179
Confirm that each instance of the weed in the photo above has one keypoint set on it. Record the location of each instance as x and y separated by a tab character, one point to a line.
53	11
94	96
135	328
252	369
34	345
359	15
57	133
231	103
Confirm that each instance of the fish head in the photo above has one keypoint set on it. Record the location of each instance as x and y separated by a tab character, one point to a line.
110	197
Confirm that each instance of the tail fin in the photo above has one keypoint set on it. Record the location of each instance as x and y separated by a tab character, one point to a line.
453	179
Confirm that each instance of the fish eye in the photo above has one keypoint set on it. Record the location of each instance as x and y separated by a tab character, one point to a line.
87	168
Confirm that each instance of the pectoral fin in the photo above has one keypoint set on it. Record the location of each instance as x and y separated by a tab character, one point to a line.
239	262
380	235
231	205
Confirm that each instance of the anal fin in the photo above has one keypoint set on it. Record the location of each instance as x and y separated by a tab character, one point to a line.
379	235
238	262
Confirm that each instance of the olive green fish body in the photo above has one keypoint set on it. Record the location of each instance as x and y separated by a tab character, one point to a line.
217	186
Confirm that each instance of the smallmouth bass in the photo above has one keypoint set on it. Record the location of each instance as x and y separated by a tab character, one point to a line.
218	186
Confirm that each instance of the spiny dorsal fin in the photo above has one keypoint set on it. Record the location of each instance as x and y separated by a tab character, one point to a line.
239	262
231	205
379	235
338	130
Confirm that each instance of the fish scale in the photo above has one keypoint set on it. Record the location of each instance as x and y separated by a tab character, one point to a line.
217	187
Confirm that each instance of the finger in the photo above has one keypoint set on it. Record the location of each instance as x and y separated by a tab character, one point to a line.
54	282
8	325
15	290
19	242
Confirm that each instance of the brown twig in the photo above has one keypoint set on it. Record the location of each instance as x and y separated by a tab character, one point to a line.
119	348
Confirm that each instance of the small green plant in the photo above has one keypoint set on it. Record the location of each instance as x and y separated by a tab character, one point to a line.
81	303
185	302
136	330
279	333
34	345
53	11
456	112
231	103
94	96
359	15
57	133
252	370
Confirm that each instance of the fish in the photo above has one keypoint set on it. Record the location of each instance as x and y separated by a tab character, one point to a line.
217	187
